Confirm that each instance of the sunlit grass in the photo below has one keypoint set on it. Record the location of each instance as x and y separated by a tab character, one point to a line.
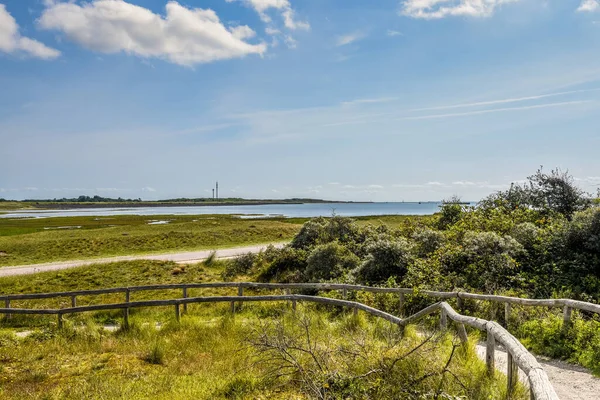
28	241
208	355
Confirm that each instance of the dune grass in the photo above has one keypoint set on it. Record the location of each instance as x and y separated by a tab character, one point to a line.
214	354
219	358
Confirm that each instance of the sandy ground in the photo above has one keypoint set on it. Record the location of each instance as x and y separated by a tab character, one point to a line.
184	257
571	382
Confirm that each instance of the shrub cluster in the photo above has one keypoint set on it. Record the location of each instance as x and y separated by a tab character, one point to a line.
538	239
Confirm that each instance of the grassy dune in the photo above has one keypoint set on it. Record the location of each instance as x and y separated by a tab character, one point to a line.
212	354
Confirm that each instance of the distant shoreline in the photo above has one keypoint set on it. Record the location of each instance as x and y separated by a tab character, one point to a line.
72	206
68	205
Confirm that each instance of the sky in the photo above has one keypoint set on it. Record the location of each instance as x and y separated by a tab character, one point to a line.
387	100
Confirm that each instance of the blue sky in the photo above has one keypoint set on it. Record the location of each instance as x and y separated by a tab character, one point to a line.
338	99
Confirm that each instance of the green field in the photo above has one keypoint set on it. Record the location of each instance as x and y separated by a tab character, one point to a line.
25	241
213	354
28	241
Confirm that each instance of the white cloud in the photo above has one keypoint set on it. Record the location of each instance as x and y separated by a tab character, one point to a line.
589	6
242	32
184	36
291	23
282	6
272	31
349	38
434	9
148	189
290	42
391	32
464	183
12	42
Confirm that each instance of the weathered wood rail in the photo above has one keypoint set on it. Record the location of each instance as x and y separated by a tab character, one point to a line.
518	356
567	304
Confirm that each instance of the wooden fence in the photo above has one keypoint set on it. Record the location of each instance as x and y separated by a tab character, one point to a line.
517	355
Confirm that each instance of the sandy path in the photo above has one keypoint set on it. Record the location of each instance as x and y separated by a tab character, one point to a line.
571	382
183	257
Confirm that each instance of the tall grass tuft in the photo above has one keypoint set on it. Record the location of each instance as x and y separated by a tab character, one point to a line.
156	355
210	260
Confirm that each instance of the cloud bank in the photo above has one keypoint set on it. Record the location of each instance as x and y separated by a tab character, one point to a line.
183	36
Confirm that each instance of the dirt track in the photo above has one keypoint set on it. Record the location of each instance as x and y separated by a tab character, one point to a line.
183	257
571	382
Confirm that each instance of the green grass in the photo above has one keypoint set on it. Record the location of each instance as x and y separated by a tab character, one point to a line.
212	358
28	241
14	205
209	354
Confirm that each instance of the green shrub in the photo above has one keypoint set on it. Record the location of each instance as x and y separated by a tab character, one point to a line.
579	343
329	261
288	266
241	265
385	259
451	211
312	233
427	241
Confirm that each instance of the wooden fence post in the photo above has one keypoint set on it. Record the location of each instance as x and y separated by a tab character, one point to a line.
240	293
460	303
60	321
126	310
512	374
490	361
177	313
185	295
73	301
345	293
7	305
566	317
443	319
288	292
355	311
126	318
506	314
401	305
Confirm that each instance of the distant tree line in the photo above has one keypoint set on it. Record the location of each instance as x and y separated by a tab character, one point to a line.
85	199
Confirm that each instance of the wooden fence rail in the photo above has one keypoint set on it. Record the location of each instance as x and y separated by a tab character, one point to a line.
567	304
518	356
